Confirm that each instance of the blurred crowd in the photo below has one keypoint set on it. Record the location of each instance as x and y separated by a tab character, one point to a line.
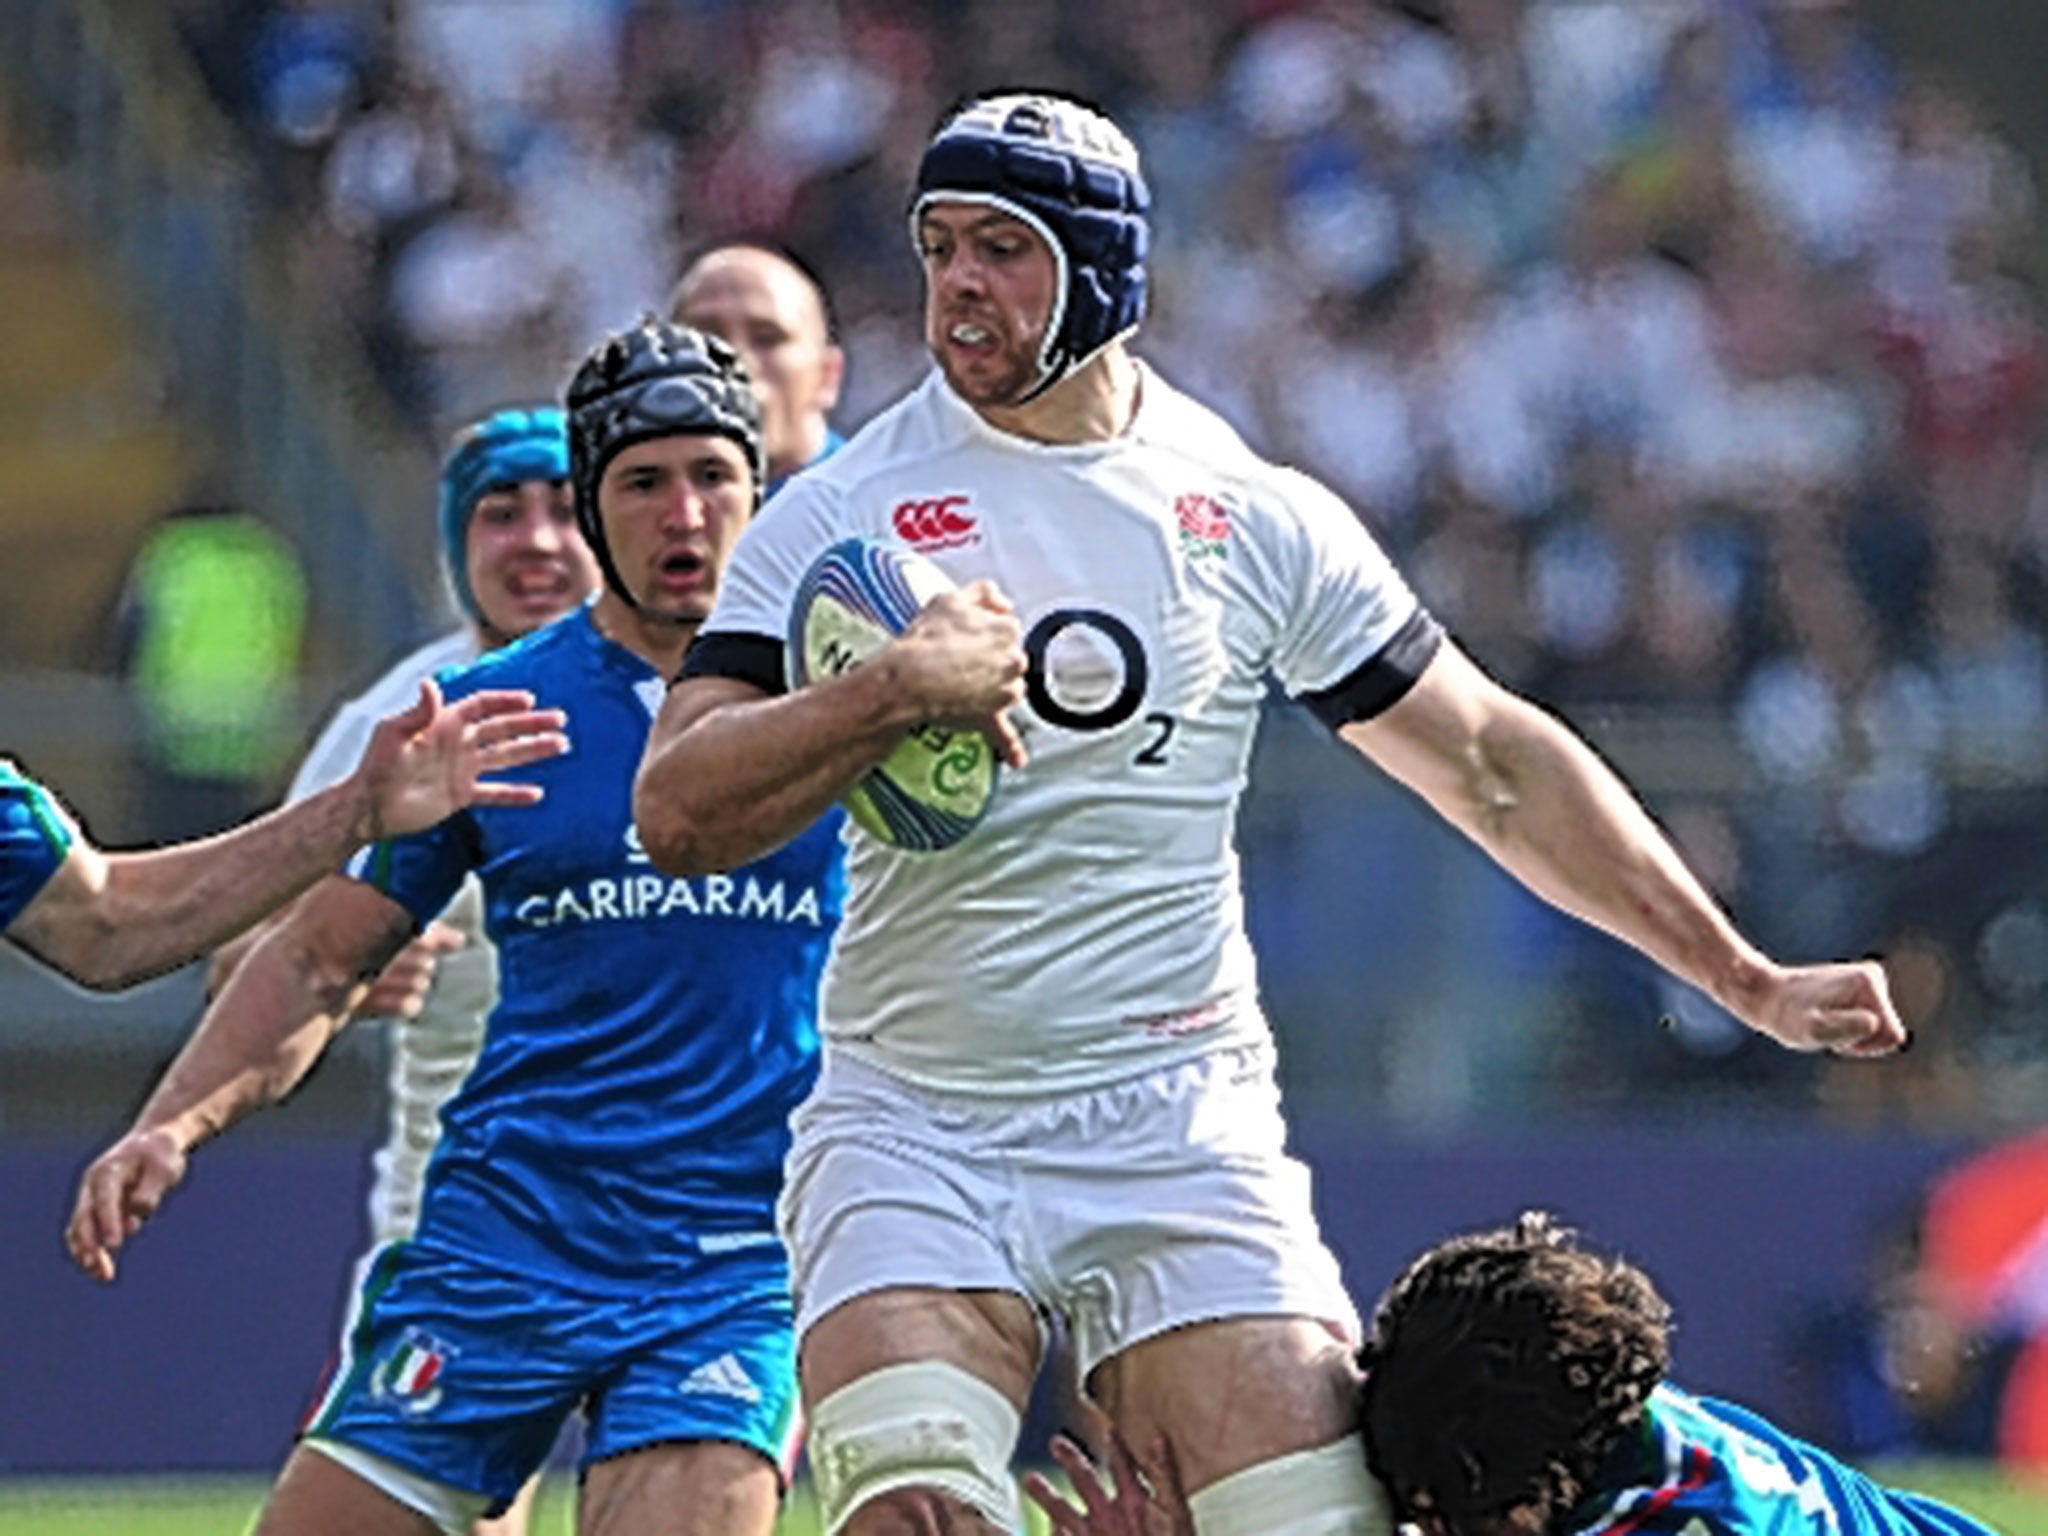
1682	351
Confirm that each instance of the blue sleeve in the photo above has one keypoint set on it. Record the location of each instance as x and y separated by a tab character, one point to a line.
1804	1475
35	840
422	871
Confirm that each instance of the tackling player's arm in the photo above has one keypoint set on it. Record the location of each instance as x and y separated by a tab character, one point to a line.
1529	791
731	773
257	1041
1119	1494
109	920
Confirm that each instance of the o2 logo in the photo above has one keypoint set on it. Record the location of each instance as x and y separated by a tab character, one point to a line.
1086	670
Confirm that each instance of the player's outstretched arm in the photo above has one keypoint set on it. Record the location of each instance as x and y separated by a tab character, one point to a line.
256	1042
109	920
730	774
1528	790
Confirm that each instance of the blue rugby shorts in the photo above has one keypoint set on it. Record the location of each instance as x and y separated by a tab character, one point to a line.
463	1374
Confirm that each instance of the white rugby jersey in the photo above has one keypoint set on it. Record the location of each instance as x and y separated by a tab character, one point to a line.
1092	925
430	1055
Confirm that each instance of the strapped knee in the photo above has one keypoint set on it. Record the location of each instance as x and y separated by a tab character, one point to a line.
1323	1492
924	1424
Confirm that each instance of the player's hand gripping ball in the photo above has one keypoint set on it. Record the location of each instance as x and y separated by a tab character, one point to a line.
936	785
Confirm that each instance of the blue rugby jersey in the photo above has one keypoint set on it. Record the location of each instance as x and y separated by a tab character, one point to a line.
1703	1467
35	839
652	1034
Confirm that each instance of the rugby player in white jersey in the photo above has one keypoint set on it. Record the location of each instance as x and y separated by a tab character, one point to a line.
1048	1087
515	560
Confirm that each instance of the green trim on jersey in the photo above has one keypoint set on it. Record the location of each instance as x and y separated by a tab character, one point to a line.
357	1361
55	826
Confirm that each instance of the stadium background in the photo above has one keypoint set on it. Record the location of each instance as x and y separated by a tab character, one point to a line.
1686	352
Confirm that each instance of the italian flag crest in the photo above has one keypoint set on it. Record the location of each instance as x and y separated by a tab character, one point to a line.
412	1373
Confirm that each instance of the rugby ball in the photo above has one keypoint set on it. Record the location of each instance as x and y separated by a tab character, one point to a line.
936	785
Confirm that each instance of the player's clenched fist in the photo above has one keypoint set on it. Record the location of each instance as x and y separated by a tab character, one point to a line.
962	660
1845	1008
118	1193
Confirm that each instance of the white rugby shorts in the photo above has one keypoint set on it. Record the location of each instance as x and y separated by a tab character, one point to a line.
1130	1209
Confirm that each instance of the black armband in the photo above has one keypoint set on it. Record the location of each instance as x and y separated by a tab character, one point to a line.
755	659
1383	679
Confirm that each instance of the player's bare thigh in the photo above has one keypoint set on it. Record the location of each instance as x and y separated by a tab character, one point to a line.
1232	1394
316	1496
992	1334
702	1488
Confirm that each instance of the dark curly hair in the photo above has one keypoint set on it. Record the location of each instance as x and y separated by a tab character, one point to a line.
1503	1367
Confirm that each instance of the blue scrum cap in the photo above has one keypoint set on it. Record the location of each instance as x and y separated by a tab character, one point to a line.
655	380
497	452
1065	169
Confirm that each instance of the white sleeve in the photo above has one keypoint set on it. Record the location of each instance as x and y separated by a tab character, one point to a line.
1336	598
760	579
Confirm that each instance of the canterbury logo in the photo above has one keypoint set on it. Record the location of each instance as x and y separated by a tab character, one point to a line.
935	522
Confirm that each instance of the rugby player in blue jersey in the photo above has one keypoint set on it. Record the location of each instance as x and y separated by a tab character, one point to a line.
597	1229
1514	1386
110	920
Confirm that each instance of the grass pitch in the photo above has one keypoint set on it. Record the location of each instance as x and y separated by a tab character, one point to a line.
227	1507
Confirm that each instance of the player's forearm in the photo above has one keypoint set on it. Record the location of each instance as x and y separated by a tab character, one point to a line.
744	776
258	1040
1553	814
222	964
161	909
